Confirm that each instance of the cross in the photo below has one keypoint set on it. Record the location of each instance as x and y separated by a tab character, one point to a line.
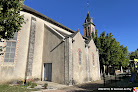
87	5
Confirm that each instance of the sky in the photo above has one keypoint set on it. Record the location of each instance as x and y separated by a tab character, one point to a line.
119	17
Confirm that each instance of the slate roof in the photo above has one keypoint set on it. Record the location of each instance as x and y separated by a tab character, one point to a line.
88	18
72	35
62	33
36	13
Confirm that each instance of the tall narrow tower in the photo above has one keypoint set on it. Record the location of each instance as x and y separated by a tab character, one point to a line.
89	27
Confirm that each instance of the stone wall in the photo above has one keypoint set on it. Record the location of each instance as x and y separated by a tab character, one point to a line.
31	47
79	70
86	71
94	68
42	45
16	70
53	52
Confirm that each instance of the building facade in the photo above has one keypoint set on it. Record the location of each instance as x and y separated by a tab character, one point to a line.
46	50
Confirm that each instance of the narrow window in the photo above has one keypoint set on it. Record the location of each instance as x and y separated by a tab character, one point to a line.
89	31
10	49
86	31
79	57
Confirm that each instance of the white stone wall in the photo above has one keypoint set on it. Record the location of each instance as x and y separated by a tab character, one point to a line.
17	69
86	71
53	52
94	69
79	70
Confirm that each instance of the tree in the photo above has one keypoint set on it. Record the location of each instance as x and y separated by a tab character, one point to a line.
133	55
97	40
110	51
10	18
102	48
124	56
93	36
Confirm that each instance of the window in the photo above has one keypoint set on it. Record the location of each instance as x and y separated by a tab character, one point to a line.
88	28
93	58
89	31
79	57
10	49
86	31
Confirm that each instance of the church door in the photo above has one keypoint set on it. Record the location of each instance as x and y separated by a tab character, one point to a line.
47	71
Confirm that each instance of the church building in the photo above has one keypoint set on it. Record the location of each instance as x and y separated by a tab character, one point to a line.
49	51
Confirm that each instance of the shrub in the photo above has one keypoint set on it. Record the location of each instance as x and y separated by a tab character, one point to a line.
20	82
45	85
29	83
33	85
36	79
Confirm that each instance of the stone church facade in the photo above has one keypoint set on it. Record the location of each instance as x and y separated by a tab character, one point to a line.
47	50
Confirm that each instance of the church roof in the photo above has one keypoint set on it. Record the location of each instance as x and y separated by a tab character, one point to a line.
62	33
88	41
36	13
88	18
72	35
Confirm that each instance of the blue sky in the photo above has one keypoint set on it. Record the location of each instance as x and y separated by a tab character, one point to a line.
119	17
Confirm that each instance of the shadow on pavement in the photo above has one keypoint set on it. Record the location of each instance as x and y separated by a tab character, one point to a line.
119	83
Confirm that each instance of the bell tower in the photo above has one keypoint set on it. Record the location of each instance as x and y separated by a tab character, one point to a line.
88	26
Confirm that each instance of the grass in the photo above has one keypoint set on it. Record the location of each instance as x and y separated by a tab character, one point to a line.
19	88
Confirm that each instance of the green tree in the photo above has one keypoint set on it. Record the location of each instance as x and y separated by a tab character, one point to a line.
93	36
102	48
97	40
110	51
133	55
10	18
124	56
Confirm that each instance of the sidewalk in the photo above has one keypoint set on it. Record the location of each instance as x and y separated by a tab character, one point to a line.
86	87
55	87
110	81
52	87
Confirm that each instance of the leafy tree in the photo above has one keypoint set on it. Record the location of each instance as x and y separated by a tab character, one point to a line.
124	56
97	40
10	18
93	36
102	48
110	51
133	55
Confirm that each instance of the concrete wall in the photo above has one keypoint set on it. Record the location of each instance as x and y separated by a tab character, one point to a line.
38	49
22	55
16	70
79	70
50	48
53	52
94	68
85	71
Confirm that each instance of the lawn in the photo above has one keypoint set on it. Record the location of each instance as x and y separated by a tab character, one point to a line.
19	88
